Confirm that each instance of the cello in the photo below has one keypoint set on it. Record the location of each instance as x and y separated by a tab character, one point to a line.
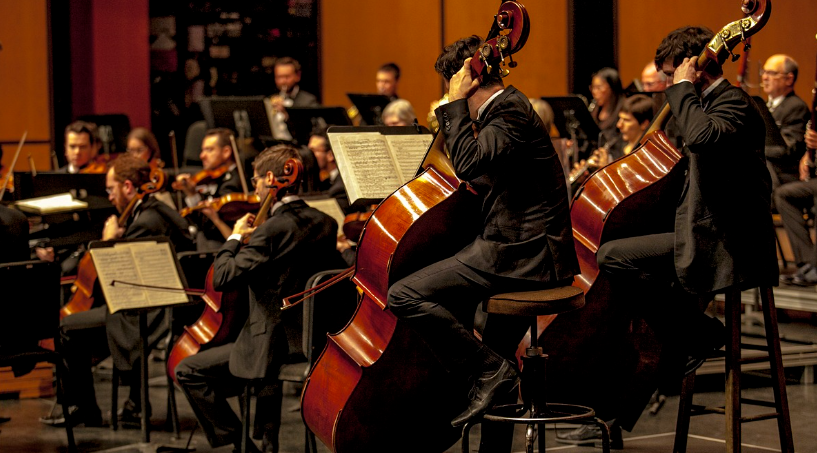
224	314
632	196
376	382
83	287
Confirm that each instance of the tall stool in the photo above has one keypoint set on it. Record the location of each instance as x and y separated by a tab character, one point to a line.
535	411
732	408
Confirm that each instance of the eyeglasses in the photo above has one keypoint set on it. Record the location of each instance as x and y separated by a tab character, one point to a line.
772	73
254	180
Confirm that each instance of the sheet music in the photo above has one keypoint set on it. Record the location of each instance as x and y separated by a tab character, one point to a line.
366	165
330	207
409	152
149	263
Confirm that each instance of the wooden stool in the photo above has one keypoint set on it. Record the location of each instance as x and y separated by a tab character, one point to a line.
535	411
733	401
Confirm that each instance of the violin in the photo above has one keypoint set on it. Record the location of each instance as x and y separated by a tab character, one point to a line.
353	223
230	207
82	298
8	180
203	177
216	326
376	380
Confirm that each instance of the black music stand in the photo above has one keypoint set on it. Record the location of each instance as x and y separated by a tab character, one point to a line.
573	121
370	107
82	186
303	121
145	445
246	115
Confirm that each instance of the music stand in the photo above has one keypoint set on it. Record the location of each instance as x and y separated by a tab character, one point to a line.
370	107
570	115
246	115
773	136
112	129
83	186
304	120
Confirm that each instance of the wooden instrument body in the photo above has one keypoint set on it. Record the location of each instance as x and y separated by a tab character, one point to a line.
230	207
376	381
219	323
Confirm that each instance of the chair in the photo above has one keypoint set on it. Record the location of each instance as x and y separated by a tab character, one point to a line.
31	288
318	319
192	144
732	408
535	411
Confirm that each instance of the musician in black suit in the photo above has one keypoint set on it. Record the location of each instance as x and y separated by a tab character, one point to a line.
722	236
216	153
791	115
82	145
524	242
332	182
14	235
90	336
294	243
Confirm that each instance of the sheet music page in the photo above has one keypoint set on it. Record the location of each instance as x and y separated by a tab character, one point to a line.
409	151
330	207
365	164
116	263
158	267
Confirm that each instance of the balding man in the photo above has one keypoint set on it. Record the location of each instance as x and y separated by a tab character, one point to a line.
651	80
791	115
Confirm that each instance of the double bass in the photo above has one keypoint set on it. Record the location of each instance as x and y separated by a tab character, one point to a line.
83	287
376	383
224	313
632	196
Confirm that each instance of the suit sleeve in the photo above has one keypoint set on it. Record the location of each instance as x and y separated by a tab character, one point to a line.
703	129
473	157
234	265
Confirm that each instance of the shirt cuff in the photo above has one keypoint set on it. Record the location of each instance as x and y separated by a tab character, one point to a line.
192	200
684	80
234	237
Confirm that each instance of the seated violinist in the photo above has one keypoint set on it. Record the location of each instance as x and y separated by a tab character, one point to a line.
218	178
295	242
89	336
142	144
81	148
331	181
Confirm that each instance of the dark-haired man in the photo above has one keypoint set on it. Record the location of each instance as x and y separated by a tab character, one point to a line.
216	155
723	236
81	146
294	243
387	79
90	336
500	146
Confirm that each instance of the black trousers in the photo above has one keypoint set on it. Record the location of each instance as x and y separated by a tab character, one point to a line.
84	343
646	265
439	303
791	200
206	381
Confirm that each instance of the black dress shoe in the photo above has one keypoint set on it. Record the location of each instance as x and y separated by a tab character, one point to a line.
491	383
797	276
591	435
76	416
130	415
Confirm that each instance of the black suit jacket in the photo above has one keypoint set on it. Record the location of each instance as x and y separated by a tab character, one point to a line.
151	218
292	245
14	236
791	117
304	99
526	231
723	225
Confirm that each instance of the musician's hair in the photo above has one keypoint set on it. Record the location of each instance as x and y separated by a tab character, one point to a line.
130	168
223	135
288	61
790	66
640	106
391	67
453	56
403	109
273	159
84	127
145	136
686	42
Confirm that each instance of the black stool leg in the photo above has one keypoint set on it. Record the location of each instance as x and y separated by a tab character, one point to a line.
172	412
114	399
684	411
69	430
466	441
732	389
605	434
245	422
778	376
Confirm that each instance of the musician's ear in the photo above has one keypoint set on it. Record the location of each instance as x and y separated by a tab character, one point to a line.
128	187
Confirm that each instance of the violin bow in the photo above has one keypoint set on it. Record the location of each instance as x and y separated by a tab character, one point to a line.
13	163
239	166
175	156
